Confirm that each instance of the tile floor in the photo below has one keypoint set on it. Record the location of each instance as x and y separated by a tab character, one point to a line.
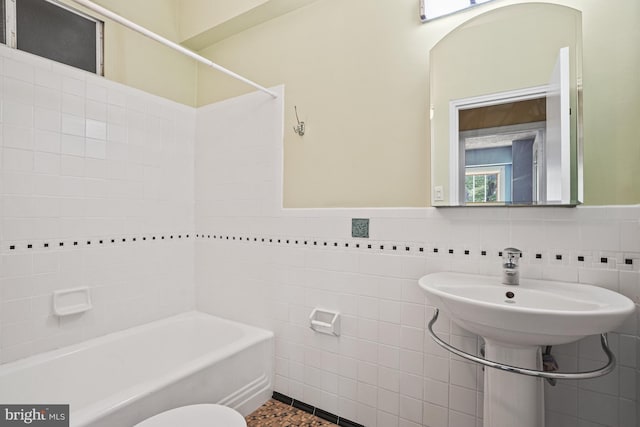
278	414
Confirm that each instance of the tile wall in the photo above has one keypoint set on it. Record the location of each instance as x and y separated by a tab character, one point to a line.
267	266
96	189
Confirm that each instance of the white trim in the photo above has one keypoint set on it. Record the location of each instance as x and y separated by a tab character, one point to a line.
10	23
501	97
454	154
100	48
579	142
565	107
434	181
558	120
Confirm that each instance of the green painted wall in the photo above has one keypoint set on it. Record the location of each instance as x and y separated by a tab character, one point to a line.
358	72
139	62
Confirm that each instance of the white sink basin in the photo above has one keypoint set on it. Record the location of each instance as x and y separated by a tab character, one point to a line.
515	321
539	312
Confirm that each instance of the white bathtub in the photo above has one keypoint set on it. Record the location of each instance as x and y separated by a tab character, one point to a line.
122	378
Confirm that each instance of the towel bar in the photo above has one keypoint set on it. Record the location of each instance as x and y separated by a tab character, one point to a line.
611	363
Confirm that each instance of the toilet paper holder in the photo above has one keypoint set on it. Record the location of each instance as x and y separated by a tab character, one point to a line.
325	321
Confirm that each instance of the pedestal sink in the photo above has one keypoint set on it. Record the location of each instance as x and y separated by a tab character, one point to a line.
514	322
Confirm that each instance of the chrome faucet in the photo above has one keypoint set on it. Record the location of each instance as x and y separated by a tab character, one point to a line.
510	272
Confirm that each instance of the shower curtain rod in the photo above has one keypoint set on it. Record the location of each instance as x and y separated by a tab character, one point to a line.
135	27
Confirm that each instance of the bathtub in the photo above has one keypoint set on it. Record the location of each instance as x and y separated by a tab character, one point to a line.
120	379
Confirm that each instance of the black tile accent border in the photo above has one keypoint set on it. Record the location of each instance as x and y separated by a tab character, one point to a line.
397	247
62	244
303	406
327	416
282	398
76	243
346	423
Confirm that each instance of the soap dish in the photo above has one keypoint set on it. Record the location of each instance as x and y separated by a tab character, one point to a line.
71	301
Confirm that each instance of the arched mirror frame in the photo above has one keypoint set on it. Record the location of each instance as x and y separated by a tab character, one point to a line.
498	29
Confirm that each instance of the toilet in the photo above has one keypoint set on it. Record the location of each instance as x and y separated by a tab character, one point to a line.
204	415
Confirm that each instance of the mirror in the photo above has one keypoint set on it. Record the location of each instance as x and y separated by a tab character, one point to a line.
505	109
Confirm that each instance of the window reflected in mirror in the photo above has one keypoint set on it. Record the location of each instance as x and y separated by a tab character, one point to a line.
503	148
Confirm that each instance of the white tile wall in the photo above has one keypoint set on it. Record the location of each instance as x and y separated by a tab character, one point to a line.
384	370
83	159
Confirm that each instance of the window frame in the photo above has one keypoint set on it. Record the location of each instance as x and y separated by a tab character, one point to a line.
499	171
423	10
11	31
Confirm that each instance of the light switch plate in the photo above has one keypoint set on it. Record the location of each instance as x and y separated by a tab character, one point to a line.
438	193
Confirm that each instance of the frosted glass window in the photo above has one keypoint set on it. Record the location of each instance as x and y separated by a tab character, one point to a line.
54	31
431	9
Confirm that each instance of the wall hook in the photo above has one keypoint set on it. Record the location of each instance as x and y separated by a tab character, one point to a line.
299	129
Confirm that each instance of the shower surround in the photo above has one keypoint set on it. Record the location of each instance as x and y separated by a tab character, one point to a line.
99	188
96	183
